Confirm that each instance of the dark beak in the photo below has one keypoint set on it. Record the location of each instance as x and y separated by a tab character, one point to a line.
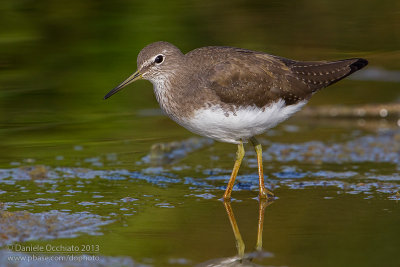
134	77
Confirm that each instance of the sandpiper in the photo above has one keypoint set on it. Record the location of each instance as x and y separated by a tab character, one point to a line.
233	94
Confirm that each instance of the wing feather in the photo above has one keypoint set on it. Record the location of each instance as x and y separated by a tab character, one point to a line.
245	78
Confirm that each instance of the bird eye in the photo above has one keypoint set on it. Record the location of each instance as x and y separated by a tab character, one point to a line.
159	59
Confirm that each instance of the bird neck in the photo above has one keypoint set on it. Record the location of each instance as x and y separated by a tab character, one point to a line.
172	98
162	92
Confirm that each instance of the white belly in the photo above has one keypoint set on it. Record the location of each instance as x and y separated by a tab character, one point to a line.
247	122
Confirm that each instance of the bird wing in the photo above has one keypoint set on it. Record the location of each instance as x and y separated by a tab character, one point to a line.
249	77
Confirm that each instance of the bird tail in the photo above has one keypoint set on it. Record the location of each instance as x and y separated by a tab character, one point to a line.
320	74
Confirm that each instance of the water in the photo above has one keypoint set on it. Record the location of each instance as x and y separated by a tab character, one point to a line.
128	187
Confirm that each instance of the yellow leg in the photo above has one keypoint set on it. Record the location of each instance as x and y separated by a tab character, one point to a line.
239	157
238	238
264	193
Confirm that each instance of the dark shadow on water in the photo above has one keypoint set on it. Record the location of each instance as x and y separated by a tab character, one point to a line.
243	259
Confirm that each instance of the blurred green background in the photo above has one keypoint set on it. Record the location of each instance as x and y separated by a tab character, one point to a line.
58	58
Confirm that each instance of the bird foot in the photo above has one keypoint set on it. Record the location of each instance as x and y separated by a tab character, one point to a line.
266	194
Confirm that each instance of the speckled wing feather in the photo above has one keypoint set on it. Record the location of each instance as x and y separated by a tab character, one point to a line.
320	74
244	77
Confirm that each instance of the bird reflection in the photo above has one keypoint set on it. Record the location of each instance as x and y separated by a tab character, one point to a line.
242	259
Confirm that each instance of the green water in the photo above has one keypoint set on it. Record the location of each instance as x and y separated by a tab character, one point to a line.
66	152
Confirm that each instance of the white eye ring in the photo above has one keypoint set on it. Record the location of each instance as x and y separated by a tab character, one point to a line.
159	59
